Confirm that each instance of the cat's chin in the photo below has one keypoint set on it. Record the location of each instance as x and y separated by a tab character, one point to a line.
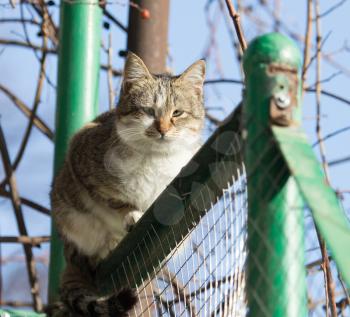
162	146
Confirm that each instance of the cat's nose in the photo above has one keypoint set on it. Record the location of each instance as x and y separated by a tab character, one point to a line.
162	126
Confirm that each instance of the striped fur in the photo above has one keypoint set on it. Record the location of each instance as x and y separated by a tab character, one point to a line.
115	168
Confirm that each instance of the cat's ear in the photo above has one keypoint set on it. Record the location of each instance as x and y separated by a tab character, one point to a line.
134	70
194	76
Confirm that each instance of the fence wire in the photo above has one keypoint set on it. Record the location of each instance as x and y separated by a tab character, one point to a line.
293	227
204	274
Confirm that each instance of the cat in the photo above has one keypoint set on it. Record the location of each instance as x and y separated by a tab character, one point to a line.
116	166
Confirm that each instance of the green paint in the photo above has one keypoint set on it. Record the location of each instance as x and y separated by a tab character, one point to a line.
271	48
18	313
275	268
322	200
77	93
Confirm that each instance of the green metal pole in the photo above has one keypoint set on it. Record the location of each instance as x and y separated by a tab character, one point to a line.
77	93
275	268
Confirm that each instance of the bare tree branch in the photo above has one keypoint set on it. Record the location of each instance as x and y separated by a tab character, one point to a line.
307	42
30	262
27	202
8	42
180	290
37	98
235	18
114	20
329	284
111	94
32	241
16	20
339	161
39	123
331	9
15	304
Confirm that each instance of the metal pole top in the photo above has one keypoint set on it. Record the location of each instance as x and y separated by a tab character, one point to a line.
272	48
272	65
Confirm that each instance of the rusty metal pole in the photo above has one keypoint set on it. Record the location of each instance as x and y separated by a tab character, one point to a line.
148	38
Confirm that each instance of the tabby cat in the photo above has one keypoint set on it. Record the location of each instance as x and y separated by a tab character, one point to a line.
115	168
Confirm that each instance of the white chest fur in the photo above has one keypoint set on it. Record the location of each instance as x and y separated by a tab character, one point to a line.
141	178
144	176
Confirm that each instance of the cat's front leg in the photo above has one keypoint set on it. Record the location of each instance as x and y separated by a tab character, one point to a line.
131	218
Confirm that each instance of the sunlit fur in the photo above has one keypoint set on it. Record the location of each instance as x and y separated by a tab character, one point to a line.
115	168
163	94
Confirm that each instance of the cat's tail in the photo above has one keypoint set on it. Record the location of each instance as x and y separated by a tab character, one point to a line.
80	302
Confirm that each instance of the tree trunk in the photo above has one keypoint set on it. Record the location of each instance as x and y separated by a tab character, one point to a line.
148	38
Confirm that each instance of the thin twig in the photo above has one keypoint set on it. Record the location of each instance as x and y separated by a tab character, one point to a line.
277	15
114	20
27	45
329	284
179	289
15	303
211	48
318	262
318	91
307	42
339	161
111	94
327	79
42	259
22	44
318	51
37	99
299	38
332	134
16	20
329	94
32	241
236	21
39	123
30	262
43	30
334	7
115	72
41	9
231	32
27	202
223	81
346	292
310	90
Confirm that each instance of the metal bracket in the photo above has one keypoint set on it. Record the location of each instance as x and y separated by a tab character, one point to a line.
281	110
284	98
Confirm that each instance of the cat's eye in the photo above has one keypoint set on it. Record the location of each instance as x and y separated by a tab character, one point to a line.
177	113
149	111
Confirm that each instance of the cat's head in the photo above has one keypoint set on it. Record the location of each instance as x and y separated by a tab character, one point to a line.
160	111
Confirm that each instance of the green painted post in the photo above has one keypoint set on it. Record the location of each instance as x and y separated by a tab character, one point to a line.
77	93
328	214
19	313
275	269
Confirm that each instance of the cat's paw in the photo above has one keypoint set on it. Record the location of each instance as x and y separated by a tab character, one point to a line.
130	219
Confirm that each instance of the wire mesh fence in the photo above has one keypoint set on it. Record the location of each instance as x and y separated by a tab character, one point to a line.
204	274
202	253
192	251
